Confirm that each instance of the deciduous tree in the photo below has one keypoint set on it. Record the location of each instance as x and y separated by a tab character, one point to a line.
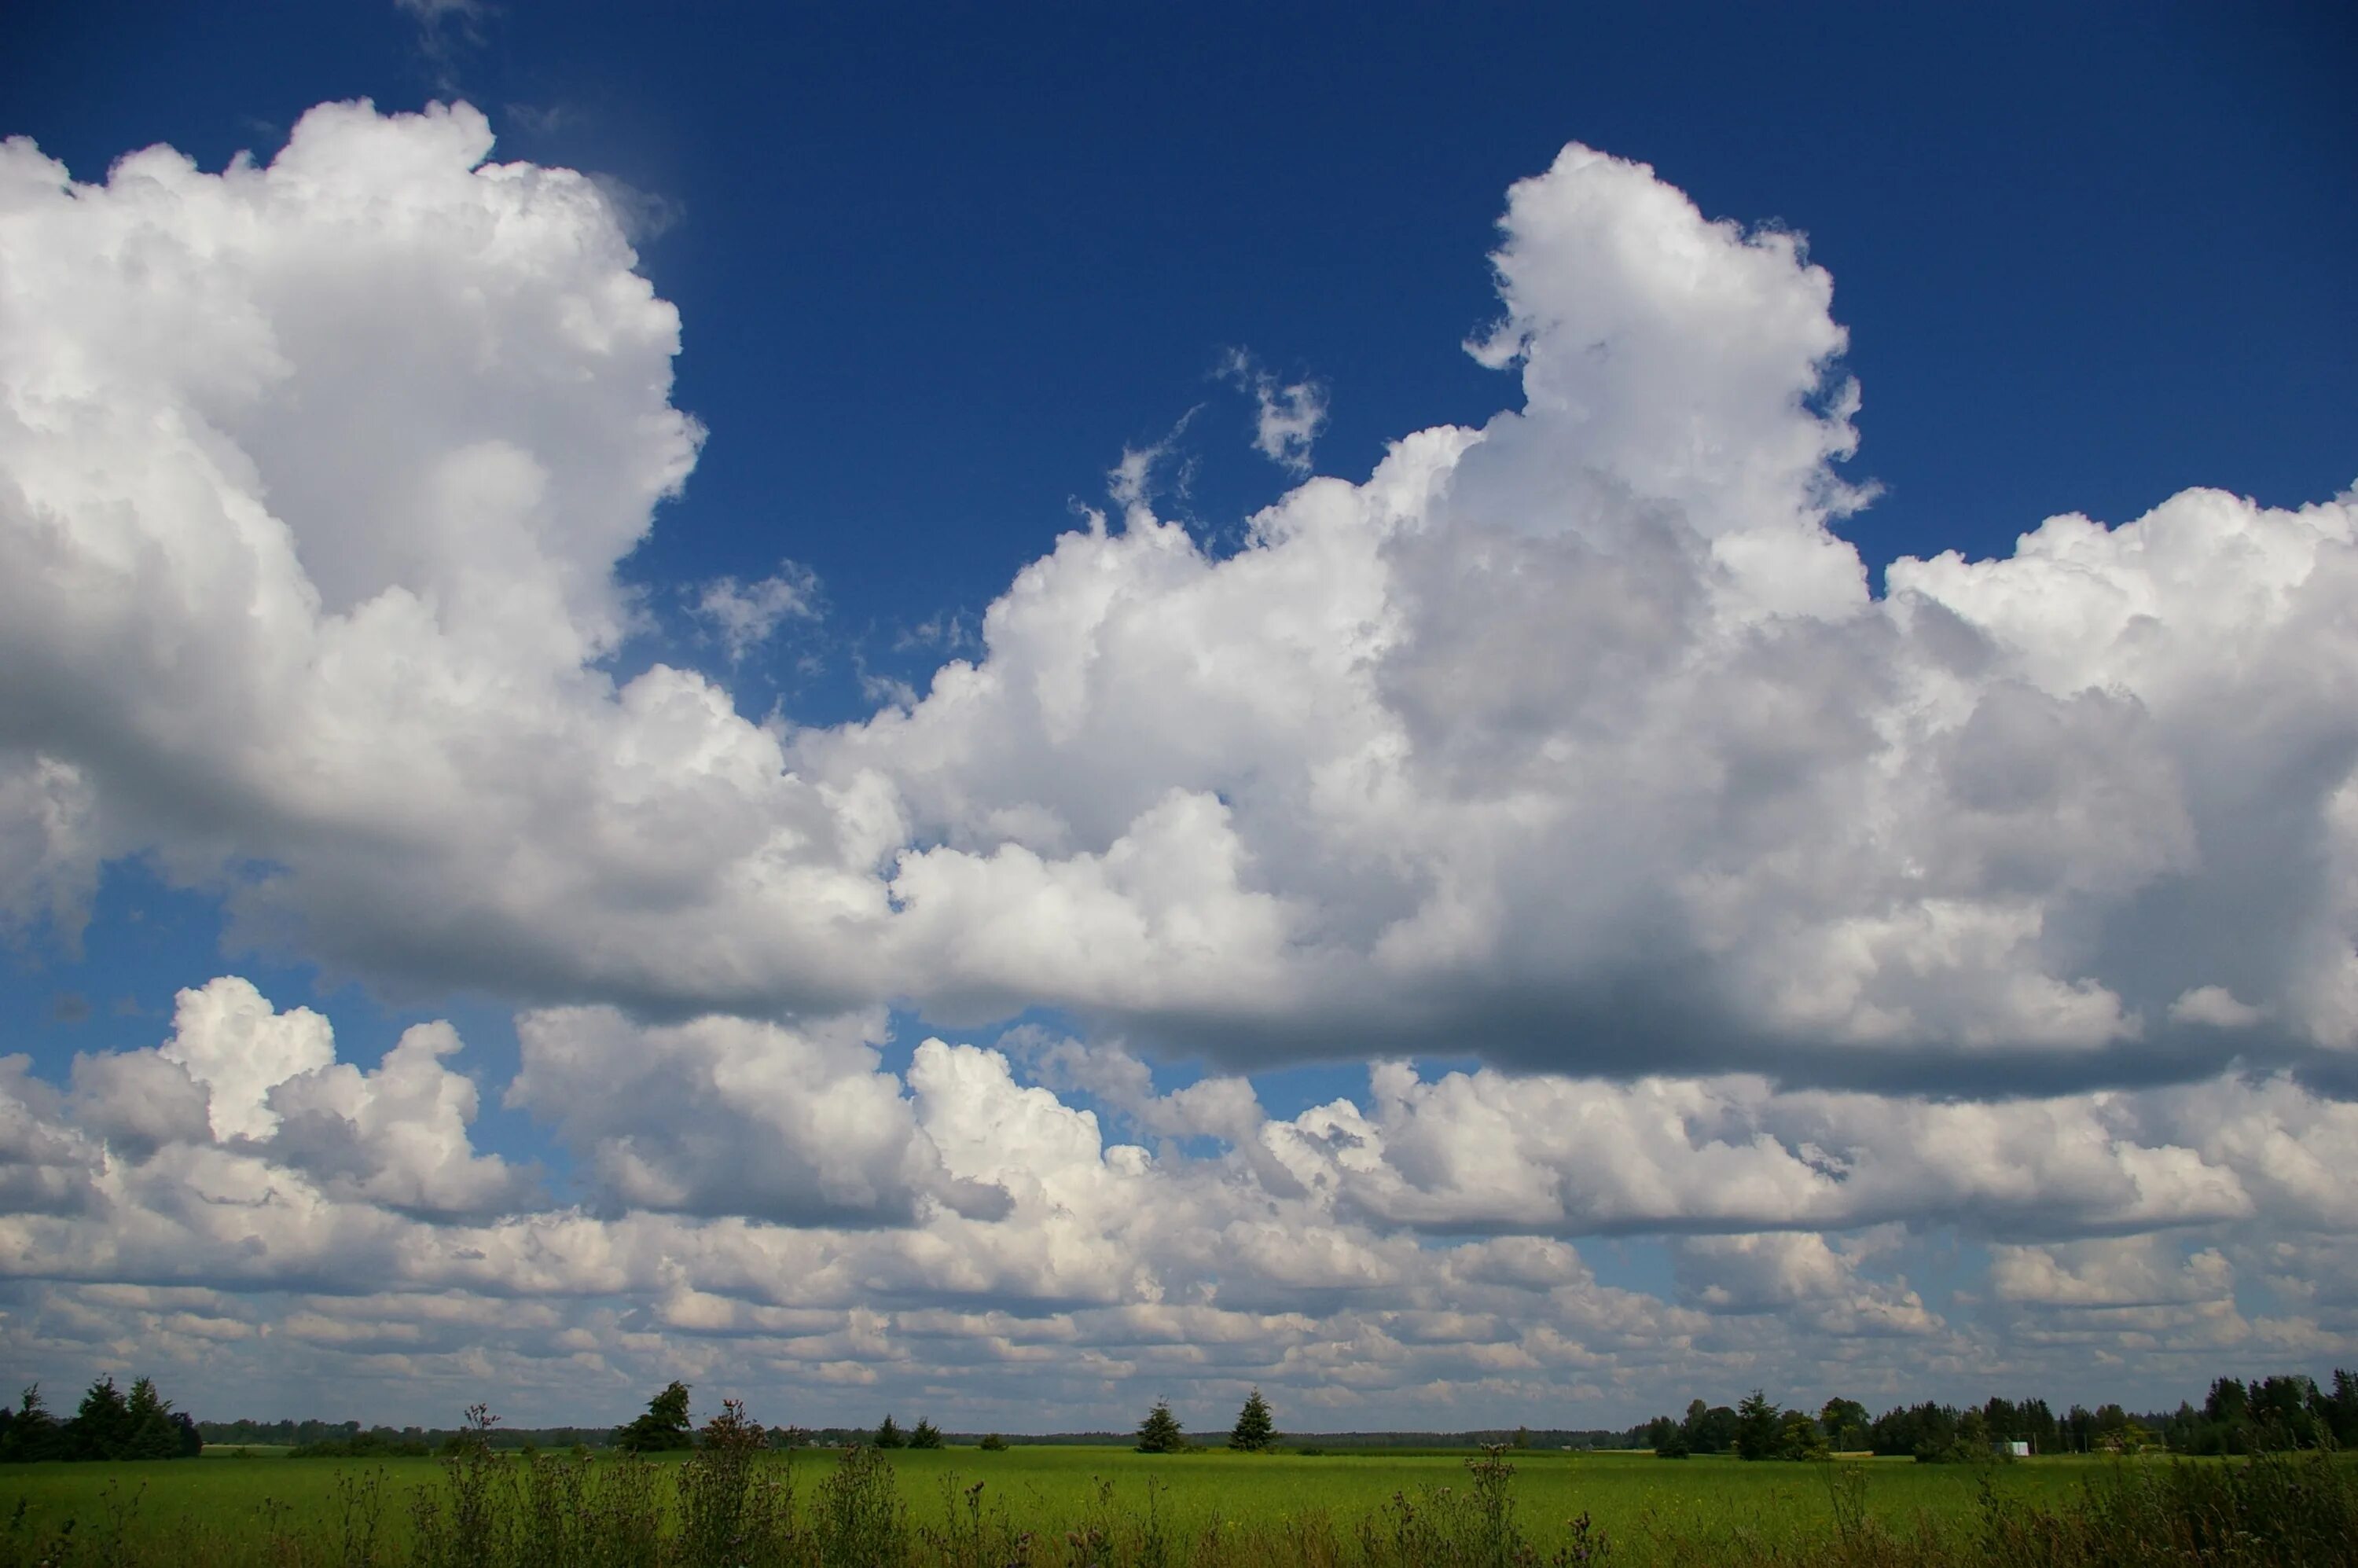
663	1428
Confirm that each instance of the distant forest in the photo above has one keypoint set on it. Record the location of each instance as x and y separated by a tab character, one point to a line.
2266	1415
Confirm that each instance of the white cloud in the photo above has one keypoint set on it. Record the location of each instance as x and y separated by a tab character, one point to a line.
774	1208
744	615
1575	740
397	1136
1575	743
1801	1275
2216	1006
227	1037
722	1116
1288	415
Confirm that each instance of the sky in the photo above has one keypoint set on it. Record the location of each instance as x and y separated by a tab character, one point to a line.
1484	717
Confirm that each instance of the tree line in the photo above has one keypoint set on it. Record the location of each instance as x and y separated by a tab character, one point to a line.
2271	1414
109	1425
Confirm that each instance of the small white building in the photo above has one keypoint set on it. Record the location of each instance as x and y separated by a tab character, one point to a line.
2017	1447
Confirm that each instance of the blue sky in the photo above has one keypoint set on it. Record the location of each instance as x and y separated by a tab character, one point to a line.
938	272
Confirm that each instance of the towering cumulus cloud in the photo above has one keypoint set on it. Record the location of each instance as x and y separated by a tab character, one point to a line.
1579	740
1793	914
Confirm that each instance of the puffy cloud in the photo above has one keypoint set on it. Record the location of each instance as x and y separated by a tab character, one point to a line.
2133	1271
776	1209
397	412
1799	1274
227	1037
722	1116
1547	1153
396	1136
1576	741
46	1167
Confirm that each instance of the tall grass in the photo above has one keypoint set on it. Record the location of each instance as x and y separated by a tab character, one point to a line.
734	1503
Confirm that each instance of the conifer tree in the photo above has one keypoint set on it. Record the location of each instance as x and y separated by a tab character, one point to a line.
1254	1429
889	1433
1756	1427
100	1429
32	1433
150	1431
1158	1433
924	1435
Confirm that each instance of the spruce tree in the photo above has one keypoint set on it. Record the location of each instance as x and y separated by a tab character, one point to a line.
1158	1433
151	1433
924	1435
889	1433
1254	1429
1756	1427
100	1429
32	1434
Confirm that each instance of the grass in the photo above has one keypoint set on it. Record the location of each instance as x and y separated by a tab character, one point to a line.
1109	1504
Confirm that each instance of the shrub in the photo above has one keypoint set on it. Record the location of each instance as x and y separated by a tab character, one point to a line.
736	1503
860	1520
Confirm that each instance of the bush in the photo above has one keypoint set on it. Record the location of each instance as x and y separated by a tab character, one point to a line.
860	1520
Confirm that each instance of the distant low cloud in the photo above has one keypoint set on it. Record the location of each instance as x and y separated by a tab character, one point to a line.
774	1206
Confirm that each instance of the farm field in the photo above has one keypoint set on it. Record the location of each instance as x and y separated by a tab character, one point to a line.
210	1509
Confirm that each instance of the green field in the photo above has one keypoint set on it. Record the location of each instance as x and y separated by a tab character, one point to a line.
224	1509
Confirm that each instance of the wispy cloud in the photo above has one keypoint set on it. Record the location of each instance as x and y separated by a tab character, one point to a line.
744	615
1288	415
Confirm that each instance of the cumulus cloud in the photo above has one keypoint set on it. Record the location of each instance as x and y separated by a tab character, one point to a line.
227	1037
774	1204
1575	743
722	1116
1576	739
1799	1274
